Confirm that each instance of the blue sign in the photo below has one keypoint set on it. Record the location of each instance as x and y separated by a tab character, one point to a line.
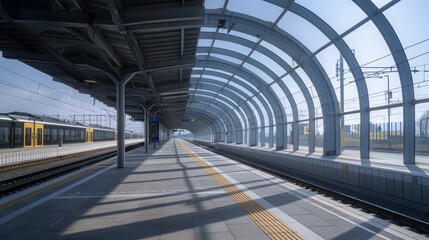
154	121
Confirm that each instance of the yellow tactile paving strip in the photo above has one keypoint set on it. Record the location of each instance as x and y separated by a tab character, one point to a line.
269	223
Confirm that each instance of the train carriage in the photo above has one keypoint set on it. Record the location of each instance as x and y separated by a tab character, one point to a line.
30	130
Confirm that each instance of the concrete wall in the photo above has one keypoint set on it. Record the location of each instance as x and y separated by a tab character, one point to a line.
396	186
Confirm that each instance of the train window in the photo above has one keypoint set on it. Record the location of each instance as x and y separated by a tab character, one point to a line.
82	135
4	135
72	135
61	134
39	136
18	135
28	136
47	135
54	135
67	135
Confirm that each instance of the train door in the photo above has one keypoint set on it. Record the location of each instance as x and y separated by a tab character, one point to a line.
89	135
38	138
33	135
28	134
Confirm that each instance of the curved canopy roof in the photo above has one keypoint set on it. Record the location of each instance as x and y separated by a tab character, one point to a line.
93	45
250	72
277	66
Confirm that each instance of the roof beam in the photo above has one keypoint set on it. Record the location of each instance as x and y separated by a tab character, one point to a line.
112	90
99	40
187	62
140	17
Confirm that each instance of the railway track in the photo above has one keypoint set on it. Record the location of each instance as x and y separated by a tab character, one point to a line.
23	175
396	216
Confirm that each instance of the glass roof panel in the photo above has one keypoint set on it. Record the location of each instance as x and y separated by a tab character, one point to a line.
214	4
268	103
215	78
329	58
205	42
303	31
245	82
339	14
252	107
278	52
219	71
297	95
263	110
253	8
226	58
282	96
244	35
375	59
208	29
232	46
258	72
312	91
381	3
240	87
403	16
224	103
275	67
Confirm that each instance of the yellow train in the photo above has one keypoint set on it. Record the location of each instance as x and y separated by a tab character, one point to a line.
29	130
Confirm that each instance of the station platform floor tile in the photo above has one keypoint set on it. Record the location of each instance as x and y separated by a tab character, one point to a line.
181	191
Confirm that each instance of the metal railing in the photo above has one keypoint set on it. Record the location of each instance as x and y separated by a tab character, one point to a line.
14	156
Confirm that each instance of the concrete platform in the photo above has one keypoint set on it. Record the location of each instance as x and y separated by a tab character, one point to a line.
168	194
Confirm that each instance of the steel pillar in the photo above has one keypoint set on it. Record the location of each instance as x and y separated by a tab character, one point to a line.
120	116
146	129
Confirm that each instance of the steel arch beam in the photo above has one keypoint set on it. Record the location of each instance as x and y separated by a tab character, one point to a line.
229	122
246	119
244	110
211	93
392	40
268	93
229	125
258	65
303	57
200	130
271	74
212	85
201	113
349	57
199	127
289	71
219	106
209	118
239	100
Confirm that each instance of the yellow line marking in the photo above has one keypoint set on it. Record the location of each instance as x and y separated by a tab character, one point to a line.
43	189
268	222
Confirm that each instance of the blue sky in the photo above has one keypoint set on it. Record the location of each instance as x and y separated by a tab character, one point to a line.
25	89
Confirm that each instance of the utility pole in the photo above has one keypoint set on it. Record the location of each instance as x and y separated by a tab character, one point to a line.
340	72
389	96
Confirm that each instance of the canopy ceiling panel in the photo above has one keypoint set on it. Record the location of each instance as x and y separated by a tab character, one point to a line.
92	45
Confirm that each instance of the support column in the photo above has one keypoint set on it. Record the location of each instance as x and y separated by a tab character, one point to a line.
295	136
312	136
120	116
146	129
120	112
